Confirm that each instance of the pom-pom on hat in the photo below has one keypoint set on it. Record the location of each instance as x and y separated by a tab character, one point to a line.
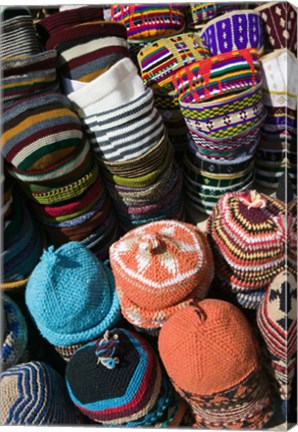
35	394
158	268
118	380
248	238
15	334
71	295
211	356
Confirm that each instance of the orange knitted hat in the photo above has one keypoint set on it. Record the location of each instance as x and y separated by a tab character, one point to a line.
160	267
210	354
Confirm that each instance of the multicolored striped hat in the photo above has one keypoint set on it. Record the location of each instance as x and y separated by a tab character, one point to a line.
82	312
277	322
118	380
234	31
15	334
25	400
212	357
149	21
159	268
249	236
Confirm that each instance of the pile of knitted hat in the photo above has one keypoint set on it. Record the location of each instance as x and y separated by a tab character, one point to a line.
158	61
221	100
277	322
213	359
22	238
146	23
250	235
35	394
46	150
118	380
129	137
159	268
71	297
277	150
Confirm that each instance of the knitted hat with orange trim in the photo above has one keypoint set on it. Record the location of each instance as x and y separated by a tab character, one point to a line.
160	267
277	322
248	238
211	356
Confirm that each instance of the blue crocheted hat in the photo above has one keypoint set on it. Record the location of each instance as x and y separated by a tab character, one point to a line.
71	295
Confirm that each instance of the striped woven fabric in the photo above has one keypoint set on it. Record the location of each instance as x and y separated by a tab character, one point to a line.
159	60
234	31
134	391
149	21
199	13
25	400
27	76
216	76
247	232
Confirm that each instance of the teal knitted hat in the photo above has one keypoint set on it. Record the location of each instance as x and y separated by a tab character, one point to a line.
71	295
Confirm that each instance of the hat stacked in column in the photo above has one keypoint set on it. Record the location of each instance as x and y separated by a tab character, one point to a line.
210	354
46	150
86	45
249	239
35	394
71	297
159	268
158	62
277	322
129	137
118	381
146	23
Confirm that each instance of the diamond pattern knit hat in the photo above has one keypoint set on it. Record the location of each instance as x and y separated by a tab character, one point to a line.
211	356
277	322
86	309
248	233
159	268
35	394
15	334
118	380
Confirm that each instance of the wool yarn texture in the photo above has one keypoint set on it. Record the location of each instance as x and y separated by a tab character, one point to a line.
118	381
25	401
280	25
232	393
277	322
160	268
86	309
15	334
249	237
234	31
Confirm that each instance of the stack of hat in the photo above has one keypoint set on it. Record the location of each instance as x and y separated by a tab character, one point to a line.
212	358
277	322
249	238
14	334
22	240
34	394
129	137
148	22
158	62
160	268
86	45
118	381
221	100
277	150
71	297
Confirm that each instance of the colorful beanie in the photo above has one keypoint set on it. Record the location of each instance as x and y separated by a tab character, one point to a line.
277	322
82	312
211	356
34	394
248	233
15	334
159	268
118	380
